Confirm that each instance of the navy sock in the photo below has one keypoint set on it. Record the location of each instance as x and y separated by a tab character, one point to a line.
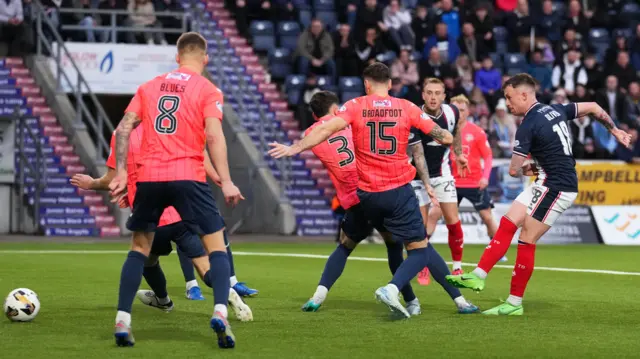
186	264
219	275
130	279
439	269
232	269
416	260
207	279
335	265
156	280
395	256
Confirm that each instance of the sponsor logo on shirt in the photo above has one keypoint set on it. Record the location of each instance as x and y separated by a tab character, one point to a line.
382	103
342	109
469	138
219	105
424	116
178	76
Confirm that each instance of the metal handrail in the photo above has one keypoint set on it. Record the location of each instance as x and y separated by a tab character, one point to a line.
113	27
84	117
24	130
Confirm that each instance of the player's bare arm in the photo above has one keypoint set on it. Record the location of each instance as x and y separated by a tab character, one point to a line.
217	146
463	163
420	162
317	135
600	115
210	170
119	183
89	183
516	168
441	135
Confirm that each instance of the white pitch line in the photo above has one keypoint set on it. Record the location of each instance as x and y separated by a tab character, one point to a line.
317	256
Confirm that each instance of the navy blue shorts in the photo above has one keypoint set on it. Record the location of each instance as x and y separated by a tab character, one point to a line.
187	242
395	211
355	224
193	201
481	199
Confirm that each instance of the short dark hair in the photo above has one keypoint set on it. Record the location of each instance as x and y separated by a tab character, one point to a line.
377	72
520	80
321	102
190	42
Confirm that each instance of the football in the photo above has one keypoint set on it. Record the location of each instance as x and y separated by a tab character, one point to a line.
21	305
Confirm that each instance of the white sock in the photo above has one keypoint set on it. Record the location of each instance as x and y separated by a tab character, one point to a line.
192	283
233	280
515	301
220	308
320	295
123	317
480	273
460	301
163	301
415	301
457	265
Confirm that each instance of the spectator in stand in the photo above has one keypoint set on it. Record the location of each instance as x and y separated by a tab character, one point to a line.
483	25
246	11
466	82
286	10
504	126
369	49
405	69
369	16
633	104
346	59
347	11
623	70
472	45
422	25
303	113
409	93
581	95
569	72
551	23
142	15
603	8
618	45
584	142
595	75
488	81
635	49
630	155
105	19
576	19
569	42
435	67
444	43
540	71
519	23
13	30
613	101
398	22
464	67
450	16
452	87
559	97
85	19
315	50
173	21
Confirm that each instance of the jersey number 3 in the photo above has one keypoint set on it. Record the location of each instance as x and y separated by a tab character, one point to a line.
563	132
344	148
166	122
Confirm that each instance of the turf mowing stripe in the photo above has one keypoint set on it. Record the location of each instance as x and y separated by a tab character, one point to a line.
317	256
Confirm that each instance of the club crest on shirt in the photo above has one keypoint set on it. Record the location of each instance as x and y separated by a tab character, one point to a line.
469	138
342	108
178	76
424	116
382	103
219	105
411	136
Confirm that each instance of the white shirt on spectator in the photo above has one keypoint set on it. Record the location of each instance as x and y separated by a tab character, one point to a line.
568	76
10	9
397	20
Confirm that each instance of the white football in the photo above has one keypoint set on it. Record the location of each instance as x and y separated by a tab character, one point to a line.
21	305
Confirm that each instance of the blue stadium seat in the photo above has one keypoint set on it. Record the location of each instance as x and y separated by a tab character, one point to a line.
328	18
497	60
323	5
293	86
262	33
280	63
598	36
305	18
630	15
600	51
387	57
500	33
301	4
325	81
288	32
625	32
560	7
515	63
350	87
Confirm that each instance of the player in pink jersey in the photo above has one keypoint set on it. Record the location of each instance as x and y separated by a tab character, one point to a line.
380	125
180	111
473	186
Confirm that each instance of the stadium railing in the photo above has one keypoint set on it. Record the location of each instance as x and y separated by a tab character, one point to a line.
57	51
113	26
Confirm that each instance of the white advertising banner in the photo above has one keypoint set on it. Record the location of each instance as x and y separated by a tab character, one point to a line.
618	225
114	68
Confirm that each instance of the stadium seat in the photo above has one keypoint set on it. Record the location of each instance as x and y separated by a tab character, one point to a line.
280	63
325	81
497	60
328	18
304	16
350	87
600	50
560	7
288	32
293	86
323	5
387	57
630	15
598	36
500	33
515	63
263	35
625	32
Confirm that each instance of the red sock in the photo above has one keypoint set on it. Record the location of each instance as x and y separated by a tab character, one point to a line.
456	240
523	269
498	246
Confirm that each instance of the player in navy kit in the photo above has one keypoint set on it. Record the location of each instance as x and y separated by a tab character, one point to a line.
436	173
545	135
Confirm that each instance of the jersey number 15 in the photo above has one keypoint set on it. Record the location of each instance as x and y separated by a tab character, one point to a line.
377	132
166	122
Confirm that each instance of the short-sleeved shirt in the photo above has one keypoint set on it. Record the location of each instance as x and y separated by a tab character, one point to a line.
170	215
173	108
476	148
337	156
544	134
381	127
436	154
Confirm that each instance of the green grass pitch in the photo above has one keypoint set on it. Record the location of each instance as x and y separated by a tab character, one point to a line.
567	314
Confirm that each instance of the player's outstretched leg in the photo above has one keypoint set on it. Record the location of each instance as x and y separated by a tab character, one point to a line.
219	275
240	308
157	297
240	287
439	270
193	290
332	271
395	257
456	241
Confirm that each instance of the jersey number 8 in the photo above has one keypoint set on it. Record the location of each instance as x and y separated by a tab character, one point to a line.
166	122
